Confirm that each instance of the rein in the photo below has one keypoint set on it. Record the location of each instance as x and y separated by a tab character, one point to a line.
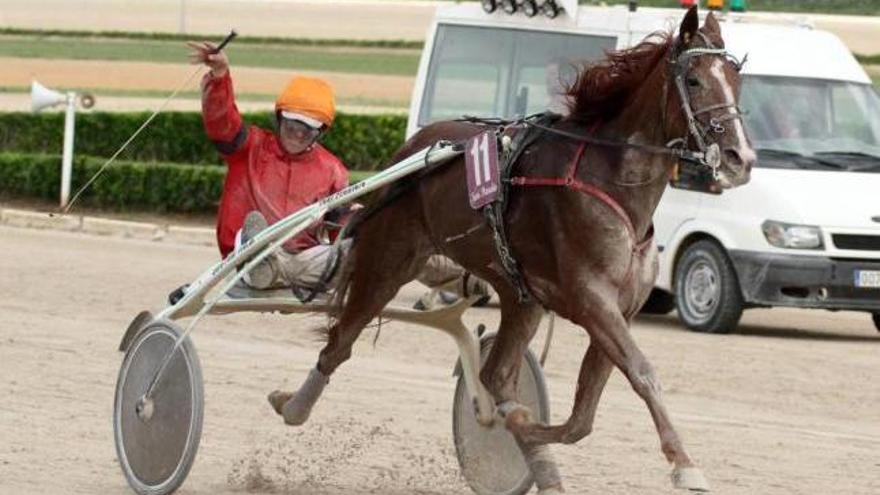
706	155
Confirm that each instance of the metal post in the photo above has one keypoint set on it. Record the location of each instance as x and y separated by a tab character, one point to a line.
182	16
67	158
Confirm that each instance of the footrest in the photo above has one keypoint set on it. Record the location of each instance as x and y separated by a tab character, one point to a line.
177	294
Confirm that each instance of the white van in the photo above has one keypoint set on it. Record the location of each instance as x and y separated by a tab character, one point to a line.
805	232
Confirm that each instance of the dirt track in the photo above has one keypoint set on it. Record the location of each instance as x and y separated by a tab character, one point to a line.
789	405
358	19
18	72
352	19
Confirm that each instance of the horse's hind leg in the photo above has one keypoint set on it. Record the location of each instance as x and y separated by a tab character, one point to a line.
519	322
382	263
500	375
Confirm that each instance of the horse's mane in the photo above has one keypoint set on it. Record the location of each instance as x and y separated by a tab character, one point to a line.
602	89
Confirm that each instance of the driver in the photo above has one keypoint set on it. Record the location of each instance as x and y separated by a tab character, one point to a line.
272	174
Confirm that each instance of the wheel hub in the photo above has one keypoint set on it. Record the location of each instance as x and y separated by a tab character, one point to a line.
144	408
702	290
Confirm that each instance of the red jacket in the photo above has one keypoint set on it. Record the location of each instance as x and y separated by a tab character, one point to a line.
260	174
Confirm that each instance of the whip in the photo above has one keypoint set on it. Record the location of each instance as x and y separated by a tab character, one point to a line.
232	34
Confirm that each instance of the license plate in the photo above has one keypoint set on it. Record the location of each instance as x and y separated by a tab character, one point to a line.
867	278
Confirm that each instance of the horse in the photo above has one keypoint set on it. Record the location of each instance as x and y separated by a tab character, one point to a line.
578	222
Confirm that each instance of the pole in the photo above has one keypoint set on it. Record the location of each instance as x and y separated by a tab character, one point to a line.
182	16
67	158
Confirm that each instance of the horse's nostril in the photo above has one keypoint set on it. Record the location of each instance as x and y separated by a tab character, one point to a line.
733	156
735	159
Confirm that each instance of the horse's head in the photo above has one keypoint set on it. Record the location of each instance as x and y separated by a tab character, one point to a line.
707	81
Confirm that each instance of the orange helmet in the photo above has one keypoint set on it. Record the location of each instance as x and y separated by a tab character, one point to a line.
307	97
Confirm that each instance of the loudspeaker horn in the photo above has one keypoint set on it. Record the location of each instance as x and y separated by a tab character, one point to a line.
87	100
43	97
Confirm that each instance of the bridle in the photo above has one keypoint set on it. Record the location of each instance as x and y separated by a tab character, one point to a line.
700	132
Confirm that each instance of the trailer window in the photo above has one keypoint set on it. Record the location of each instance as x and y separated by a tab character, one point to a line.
494	72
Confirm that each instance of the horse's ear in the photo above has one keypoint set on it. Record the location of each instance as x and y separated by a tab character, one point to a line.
689	26
712	25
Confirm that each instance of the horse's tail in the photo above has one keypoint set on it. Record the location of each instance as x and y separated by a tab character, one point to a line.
377	203
337	302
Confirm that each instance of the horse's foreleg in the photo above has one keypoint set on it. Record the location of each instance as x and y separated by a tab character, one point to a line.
595	370
610	330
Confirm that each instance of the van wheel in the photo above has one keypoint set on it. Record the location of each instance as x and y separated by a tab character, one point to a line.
707	293
659	302
876	318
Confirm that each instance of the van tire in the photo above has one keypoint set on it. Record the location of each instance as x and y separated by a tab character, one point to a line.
707	293
876	317
659	302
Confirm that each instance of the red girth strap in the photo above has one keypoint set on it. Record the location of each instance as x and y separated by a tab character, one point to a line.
571	181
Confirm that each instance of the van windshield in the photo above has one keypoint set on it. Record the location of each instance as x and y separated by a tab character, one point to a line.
812	123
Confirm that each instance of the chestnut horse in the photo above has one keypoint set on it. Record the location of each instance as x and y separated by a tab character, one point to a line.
582	242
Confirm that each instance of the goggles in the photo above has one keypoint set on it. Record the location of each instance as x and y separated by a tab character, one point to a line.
298	129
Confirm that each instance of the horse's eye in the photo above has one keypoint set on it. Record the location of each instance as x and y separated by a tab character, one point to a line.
693	82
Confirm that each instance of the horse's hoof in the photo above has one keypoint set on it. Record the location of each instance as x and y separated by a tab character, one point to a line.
296	411
689	478
277	399
516	416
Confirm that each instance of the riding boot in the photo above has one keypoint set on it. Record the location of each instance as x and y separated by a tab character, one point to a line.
263	274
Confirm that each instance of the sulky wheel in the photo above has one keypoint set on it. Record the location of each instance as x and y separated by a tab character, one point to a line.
490	459
157	438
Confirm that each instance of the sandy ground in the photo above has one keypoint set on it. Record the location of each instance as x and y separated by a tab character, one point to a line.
57	74
788	405
21	102
351	19
359	19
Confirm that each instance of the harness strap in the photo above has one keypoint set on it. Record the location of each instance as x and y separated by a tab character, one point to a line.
571	181
494	212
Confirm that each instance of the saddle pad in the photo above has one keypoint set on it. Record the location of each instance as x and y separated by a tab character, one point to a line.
481	158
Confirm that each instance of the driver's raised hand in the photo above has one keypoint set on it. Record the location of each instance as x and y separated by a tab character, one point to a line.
204	53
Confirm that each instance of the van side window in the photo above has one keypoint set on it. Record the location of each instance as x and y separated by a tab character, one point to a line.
495	72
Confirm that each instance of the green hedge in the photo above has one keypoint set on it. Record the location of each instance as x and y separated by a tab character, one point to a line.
124	185
362	142
159	187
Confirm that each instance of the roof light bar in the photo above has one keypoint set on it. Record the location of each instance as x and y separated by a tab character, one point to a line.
530	8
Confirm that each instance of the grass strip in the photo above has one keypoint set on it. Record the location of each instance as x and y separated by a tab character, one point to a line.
868	59
350	60
253	40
